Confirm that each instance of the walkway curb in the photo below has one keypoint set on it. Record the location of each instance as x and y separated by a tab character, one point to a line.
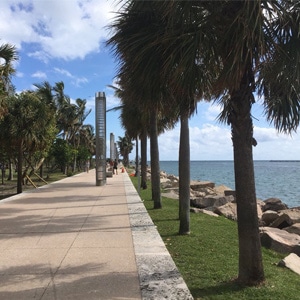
159	276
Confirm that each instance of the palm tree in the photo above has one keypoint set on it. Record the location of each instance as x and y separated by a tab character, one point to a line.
134	123
147	38
70	117
87	138
226	44
138	120
28	128
79	115
66	111
125	147
8	54
131	34
45	91
251	45
188	87
242	45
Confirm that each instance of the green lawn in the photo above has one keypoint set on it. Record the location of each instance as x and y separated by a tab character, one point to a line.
9	188
208	257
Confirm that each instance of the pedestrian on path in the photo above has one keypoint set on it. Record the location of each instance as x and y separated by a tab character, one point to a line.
87	166
116	166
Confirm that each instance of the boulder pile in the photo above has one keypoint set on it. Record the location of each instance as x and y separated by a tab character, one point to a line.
279	225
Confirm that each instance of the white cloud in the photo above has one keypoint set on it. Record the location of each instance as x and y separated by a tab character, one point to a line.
112	101
168	145
39	74
77	81
40	55
267	135
63	72
212	112
19	74
62	29
212	142
68	30
208	142
273	145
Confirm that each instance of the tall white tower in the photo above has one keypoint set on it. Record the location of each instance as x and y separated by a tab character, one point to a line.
112	147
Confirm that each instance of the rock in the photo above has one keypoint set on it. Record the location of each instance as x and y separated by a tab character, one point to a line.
172	194
173	177
282	221
198	185
292	261
198	202
274	204
259	211
261	204
269	216
228	210
286	218
164	180
196	194
210	213
293	213
220	200
280	240
295	228
229	193
211	201
163	174
166	184
208	191
223	189
204	211
195	210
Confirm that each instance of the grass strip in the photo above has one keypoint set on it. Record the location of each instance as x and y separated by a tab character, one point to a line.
208	257
9	188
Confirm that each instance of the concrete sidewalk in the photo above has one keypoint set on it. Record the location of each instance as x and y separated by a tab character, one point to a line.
75	240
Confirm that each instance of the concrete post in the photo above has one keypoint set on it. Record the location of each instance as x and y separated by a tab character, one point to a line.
100	138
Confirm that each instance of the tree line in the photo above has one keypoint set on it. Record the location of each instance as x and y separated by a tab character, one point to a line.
172	54
40	126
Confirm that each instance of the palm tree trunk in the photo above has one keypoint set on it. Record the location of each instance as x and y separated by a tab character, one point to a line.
126	158
250	256
10	170
137	173
184	176
155	170
2	165
143	160
75	163
20	165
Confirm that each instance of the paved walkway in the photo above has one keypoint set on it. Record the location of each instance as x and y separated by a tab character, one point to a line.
75	240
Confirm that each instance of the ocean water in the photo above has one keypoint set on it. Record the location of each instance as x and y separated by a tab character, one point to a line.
280	179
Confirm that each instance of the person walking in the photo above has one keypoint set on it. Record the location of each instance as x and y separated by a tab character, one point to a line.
116	166
87	166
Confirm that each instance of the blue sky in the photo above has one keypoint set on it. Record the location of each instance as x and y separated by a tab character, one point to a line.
64	40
